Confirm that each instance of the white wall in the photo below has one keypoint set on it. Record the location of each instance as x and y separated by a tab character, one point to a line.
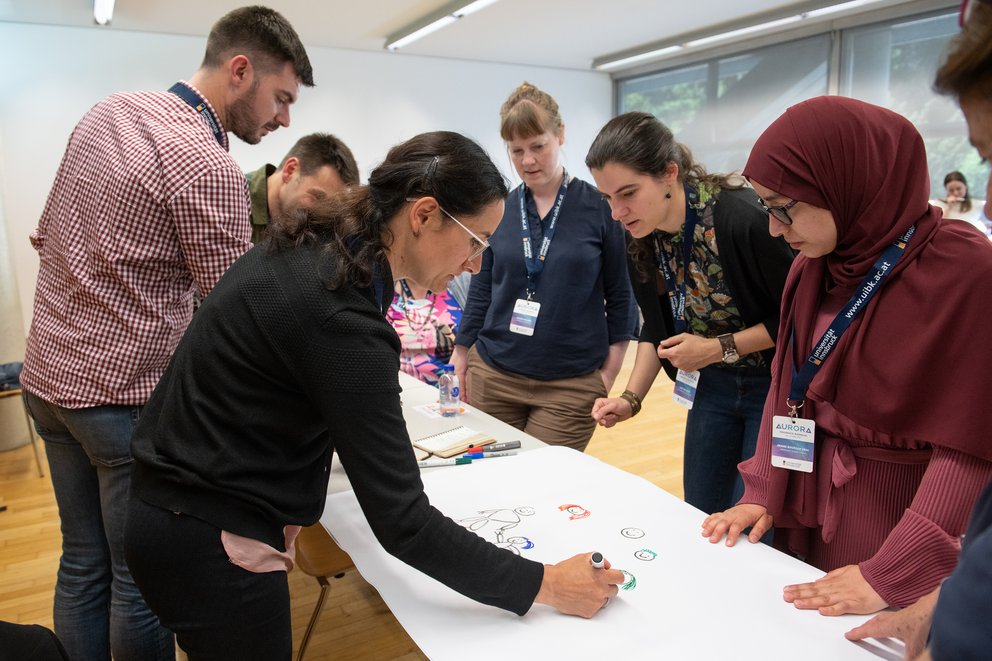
52	75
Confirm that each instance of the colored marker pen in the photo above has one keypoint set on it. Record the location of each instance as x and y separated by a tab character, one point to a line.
496	447
454	461
490	455
597	560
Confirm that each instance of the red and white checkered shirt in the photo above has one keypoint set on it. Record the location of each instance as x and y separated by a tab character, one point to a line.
147	208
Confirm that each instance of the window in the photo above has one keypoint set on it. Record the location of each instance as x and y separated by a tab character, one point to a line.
893	65
720	106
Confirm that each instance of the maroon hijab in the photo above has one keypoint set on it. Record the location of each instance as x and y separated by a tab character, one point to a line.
917	361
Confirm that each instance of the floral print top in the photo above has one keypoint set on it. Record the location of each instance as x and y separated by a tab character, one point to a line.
709	308
426	328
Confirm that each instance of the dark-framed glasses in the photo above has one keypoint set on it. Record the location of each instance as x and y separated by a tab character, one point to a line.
781	213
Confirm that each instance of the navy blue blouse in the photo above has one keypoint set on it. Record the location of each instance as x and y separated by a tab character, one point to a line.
586	299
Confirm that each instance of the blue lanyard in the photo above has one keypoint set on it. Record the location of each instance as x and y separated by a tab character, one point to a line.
869	287
199	104
536	264
676	292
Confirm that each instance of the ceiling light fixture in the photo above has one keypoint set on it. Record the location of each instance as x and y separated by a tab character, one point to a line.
103	11
444	16
701	39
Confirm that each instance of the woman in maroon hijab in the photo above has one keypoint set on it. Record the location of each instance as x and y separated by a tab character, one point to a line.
879	389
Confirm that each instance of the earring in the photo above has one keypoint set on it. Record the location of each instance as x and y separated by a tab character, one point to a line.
668	195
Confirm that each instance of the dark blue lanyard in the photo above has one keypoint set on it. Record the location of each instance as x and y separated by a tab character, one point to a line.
535	264
869	287
199	104
676	292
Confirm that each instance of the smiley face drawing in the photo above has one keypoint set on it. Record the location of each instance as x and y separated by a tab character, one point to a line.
646	555
632	533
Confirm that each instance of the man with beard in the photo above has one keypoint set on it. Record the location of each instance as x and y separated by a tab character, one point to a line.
316	167
147	210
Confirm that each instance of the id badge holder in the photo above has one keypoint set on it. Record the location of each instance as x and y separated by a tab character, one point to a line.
685	388
792	443
524	317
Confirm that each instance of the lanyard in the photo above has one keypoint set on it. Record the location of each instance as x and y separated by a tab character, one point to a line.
676	292
199	104
869	287
536	264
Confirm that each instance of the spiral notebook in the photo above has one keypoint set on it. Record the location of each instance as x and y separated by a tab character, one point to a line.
453	441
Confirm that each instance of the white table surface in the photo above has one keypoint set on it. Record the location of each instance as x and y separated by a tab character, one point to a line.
694	601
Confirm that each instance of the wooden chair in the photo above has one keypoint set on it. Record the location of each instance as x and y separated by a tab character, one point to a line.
16	392
319	556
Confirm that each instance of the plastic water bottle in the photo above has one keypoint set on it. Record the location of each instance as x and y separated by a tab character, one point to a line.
447	388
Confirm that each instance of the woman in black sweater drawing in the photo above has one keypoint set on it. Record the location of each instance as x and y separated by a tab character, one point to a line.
289	359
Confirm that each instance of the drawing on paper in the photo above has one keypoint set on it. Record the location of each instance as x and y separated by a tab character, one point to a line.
574	511
517	544
645	554
493	524
629	582
632	533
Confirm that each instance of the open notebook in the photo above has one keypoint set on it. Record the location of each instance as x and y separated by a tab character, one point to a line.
451	442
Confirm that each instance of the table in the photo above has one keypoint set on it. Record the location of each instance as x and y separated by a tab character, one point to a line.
691	599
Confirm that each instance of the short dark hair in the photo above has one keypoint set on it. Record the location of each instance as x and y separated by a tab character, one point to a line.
264	36
316	150
353	225
968	68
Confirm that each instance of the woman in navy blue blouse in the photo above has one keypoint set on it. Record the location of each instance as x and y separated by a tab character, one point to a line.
551	312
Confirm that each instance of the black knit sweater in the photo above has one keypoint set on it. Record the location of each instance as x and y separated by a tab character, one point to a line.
275	372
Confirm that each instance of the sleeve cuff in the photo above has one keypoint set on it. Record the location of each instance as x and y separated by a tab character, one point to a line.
915	557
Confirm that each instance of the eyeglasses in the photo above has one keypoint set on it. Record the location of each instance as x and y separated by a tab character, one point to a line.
781	213
480	244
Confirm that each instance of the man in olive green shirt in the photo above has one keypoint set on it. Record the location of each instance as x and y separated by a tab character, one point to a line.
316	167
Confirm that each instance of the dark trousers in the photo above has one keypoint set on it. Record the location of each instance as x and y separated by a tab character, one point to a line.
721	431
217	610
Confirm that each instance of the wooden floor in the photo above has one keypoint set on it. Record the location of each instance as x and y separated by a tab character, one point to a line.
355	623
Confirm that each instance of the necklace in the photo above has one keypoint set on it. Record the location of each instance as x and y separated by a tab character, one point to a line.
406	295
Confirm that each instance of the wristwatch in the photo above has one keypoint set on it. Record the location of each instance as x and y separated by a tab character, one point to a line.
730	355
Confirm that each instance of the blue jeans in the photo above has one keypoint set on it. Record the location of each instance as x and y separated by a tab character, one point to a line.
98	608
720	432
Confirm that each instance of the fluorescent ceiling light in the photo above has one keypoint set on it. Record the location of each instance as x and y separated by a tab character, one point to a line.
634	59
472	7
663	49
447	15
733	34
833	9
422	32
103	11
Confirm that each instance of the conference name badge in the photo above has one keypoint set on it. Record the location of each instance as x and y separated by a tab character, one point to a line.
792	443
685	388
524	317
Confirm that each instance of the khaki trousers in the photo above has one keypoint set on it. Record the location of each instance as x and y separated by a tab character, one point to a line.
558	412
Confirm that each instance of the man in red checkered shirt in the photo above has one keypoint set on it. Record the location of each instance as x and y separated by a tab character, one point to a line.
148	210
